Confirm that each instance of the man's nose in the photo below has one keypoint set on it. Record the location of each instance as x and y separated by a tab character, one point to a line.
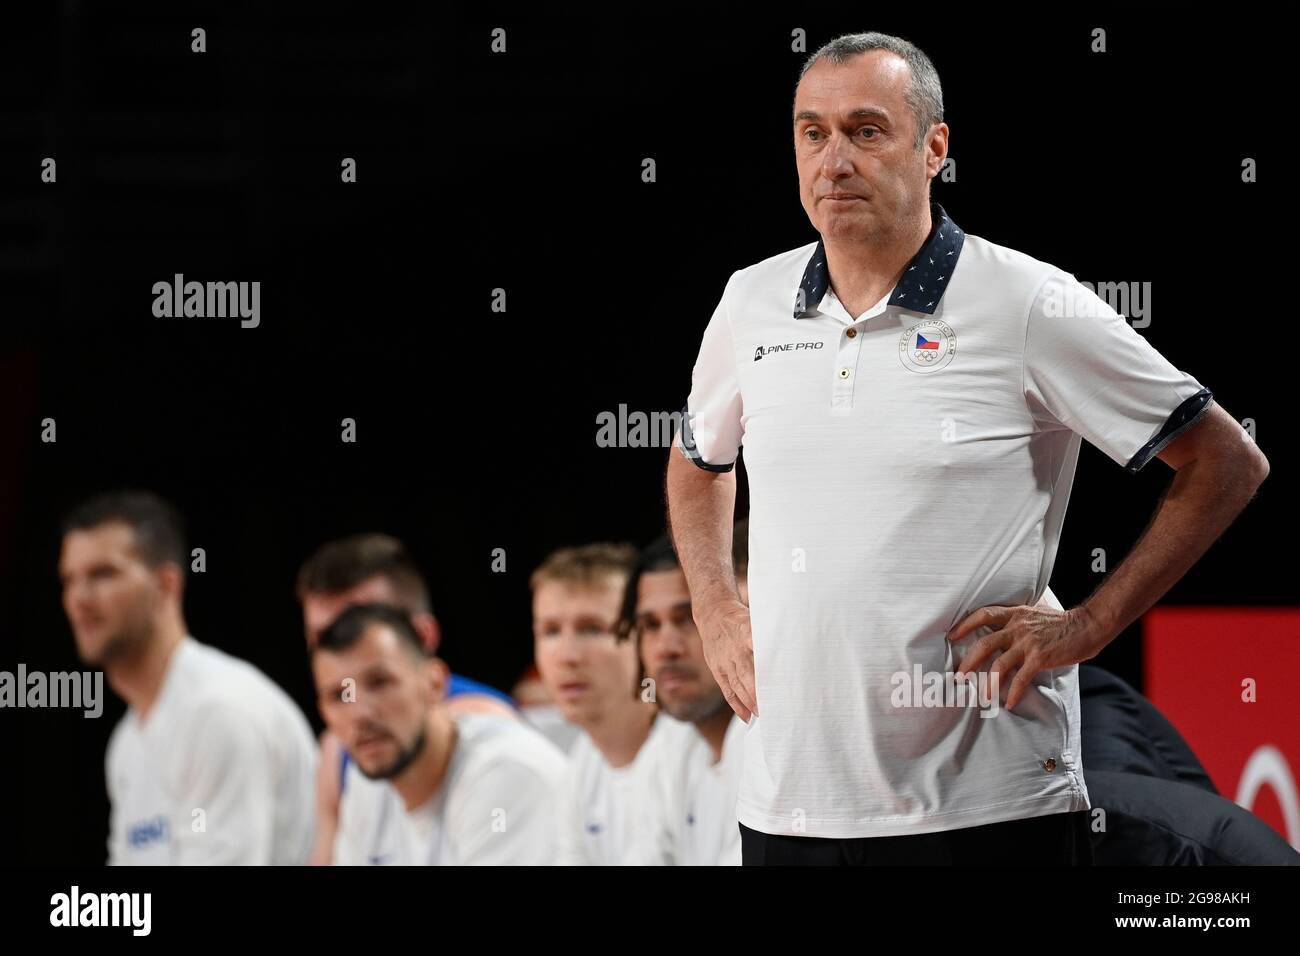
672	639
76	594
359	713
664	649
836	163
570	650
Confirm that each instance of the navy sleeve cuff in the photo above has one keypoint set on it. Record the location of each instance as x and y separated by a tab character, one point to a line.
1184	417
692	453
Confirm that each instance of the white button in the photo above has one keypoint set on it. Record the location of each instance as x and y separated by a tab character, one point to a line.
844	373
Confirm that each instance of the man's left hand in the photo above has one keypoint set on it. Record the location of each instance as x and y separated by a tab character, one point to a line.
1032	638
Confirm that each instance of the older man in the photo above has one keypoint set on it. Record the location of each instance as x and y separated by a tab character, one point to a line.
911	400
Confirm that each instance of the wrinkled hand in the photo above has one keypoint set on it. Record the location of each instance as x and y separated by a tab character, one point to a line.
729	652
1032	638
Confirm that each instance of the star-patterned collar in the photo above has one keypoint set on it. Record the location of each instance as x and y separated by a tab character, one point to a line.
924	280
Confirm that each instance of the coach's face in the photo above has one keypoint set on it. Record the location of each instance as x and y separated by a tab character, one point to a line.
671	649
375	696
854	138
111	596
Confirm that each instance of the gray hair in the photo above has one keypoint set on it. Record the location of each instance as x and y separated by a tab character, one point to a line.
924	94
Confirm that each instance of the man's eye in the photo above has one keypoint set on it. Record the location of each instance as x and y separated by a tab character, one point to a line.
868	129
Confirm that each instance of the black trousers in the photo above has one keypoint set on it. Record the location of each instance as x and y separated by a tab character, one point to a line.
1057	839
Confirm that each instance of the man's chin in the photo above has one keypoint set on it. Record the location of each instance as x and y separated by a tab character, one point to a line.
679	708
376	770
97	653
847	224
91	657
579	714
692	709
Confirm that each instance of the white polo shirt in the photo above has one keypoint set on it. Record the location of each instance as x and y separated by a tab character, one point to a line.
221	772
905	468
496	805
704	825
614	816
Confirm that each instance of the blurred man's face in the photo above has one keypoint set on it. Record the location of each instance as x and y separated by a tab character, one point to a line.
375	696
111	597
587	671
319	611
854	134
671	648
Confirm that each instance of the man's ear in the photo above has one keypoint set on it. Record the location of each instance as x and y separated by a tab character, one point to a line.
938	151
439	675
426	625
171	579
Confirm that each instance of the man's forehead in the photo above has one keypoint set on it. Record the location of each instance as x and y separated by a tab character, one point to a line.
857	112
662	589
376	645
870	81
320	609
109	538
562	597
377	588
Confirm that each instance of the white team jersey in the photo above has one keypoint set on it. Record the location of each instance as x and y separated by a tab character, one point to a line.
550	723
909	463
613	816
222	770
706	826
496	805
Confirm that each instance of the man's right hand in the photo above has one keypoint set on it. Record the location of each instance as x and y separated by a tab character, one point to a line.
729	652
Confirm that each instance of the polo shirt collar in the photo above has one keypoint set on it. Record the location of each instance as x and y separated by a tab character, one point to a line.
924	280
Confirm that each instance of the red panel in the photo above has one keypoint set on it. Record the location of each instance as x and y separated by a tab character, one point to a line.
1197	660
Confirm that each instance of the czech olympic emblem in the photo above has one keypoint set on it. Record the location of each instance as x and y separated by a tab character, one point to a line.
927	346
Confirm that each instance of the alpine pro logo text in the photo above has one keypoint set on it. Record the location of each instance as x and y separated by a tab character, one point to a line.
787	347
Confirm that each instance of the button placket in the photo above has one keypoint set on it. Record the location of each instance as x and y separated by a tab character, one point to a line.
845	373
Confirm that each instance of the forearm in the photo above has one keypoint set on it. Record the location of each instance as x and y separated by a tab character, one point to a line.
322	852
701	511
1204	498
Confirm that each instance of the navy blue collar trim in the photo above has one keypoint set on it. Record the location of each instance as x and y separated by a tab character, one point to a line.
924	280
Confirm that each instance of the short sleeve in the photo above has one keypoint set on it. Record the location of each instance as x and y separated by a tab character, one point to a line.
228	775
504	817
1087	369
711	433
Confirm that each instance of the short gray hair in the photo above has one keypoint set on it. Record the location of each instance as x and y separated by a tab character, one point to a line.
924	94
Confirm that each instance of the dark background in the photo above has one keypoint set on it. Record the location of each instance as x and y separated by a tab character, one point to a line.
476	430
